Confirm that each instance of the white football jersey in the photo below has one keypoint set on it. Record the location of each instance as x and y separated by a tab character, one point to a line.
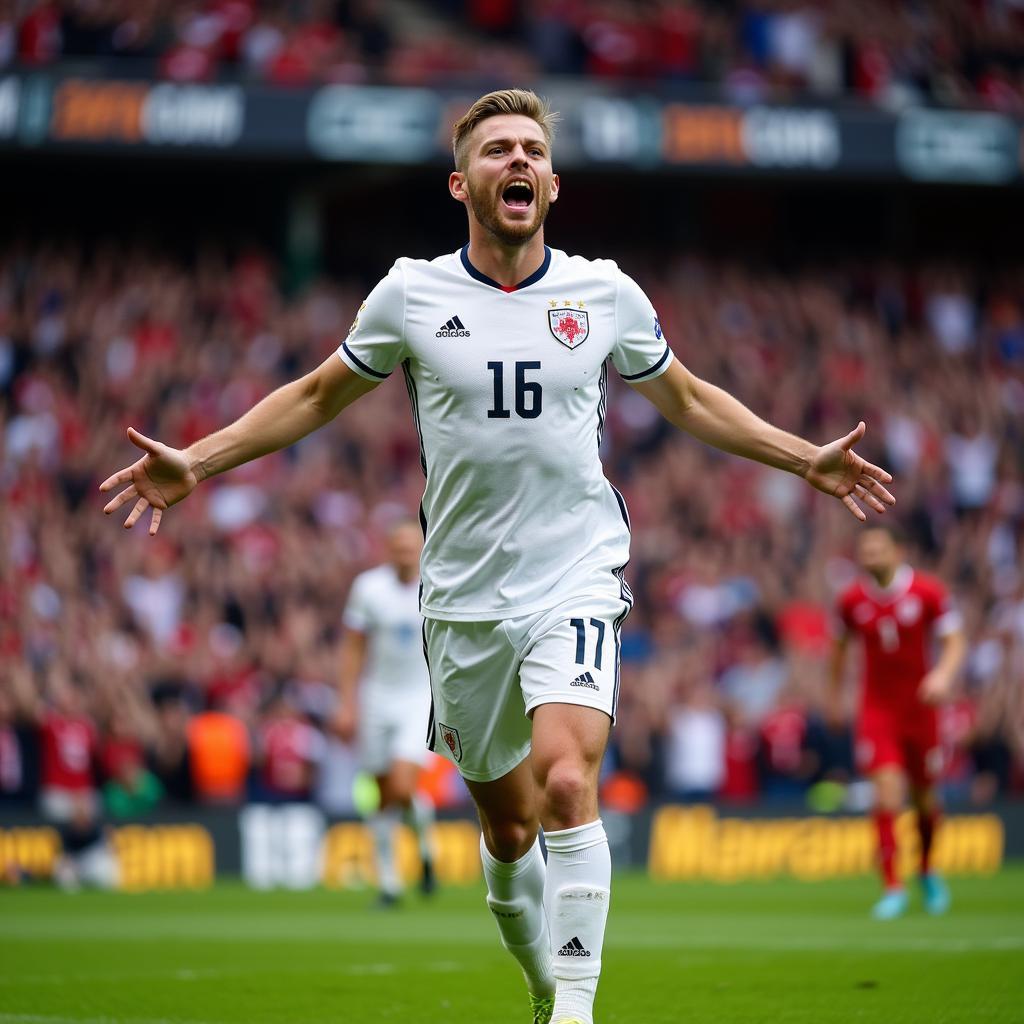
509	387
388	612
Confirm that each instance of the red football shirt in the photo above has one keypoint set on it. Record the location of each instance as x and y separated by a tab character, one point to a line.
68	751
897	625
291	748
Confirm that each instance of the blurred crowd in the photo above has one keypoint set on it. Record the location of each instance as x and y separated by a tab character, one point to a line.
954	52
200	665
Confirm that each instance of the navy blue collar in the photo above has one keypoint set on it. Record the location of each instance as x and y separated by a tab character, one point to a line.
484	279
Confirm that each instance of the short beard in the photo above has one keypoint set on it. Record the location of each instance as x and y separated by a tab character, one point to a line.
485	209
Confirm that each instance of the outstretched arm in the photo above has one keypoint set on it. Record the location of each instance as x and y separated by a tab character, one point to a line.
354	647
165	475
715	417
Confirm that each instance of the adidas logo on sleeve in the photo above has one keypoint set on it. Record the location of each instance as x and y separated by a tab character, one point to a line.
453	329
574	948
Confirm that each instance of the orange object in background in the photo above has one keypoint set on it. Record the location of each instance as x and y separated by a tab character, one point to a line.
440	780
624	792
219	751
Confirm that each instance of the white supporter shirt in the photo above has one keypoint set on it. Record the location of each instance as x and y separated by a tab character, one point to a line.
387	611
509	389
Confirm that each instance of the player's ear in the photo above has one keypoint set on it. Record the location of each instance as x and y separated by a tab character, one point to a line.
555	186
457	186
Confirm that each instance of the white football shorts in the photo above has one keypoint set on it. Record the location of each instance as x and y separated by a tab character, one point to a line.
487	677
391	727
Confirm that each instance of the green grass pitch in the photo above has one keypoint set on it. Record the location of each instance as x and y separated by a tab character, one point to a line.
761	952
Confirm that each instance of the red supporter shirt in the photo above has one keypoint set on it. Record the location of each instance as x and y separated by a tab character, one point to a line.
897	625
290	750
69	748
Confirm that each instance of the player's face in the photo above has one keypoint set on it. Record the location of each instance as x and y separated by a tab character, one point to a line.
405	545
508	184
877	553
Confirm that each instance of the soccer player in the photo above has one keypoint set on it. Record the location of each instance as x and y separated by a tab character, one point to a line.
898	612
383	648
505	348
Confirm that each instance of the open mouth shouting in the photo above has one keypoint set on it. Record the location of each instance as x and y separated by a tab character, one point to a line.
517	195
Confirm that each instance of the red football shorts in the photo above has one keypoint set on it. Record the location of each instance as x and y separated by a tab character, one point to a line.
907	739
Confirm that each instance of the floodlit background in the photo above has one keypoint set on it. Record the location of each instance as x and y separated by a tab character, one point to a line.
823	200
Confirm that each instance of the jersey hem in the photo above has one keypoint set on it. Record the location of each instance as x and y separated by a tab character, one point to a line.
568	698
489	774
353	362
652	371
502	614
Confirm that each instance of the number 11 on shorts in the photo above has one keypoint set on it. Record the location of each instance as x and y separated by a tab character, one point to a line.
581	641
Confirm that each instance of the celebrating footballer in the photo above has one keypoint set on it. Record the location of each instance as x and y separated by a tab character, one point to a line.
506	347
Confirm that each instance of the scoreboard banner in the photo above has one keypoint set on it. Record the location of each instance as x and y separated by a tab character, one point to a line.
295	846
65	113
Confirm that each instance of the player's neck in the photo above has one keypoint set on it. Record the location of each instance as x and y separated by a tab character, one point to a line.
506	264
404	574
885	579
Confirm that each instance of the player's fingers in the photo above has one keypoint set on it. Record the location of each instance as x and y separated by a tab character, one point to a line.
854	508
122	499
871	484
147	444
154	521
120	477
133	517
876	472
868	498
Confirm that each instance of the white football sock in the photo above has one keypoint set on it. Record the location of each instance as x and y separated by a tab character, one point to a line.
577	896
384	826
419	816
515	896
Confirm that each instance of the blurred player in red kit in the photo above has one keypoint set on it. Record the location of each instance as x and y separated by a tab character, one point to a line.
900	615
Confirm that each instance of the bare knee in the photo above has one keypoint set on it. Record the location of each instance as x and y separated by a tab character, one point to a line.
890	790
509	838
569	790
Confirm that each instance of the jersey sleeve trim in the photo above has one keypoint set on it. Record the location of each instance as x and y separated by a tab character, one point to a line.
651	371
948	623
359	366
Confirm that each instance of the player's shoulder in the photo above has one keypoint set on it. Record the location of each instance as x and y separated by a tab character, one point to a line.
439	266
925	583
574	265
853	591
375	578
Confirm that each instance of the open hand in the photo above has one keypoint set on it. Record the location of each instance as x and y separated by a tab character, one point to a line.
161	478
345	723
935	687
838	470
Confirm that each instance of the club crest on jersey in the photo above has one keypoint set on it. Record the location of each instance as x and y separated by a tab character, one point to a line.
569	326
451	740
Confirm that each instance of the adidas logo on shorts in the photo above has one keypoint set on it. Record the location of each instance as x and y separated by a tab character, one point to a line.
573	948
453	329
586	680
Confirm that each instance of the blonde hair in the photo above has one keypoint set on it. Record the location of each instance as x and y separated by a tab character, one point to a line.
502	101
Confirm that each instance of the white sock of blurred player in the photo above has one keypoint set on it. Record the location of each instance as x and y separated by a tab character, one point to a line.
384	826
515	896
577	896
419	816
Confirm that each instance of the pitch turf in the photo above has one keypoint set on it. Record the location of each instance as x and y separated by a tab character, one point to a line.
766	952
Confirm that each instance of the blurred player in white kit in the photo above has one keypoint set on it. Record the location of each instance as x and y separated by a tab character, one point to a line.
384	696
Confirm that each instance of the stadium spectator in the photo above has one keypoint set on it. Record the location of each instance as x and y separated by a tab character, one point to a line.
288	753
219	753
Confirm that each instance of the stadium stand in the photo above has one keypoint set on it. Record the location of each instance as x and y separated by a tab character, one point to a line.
237	602
958	53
